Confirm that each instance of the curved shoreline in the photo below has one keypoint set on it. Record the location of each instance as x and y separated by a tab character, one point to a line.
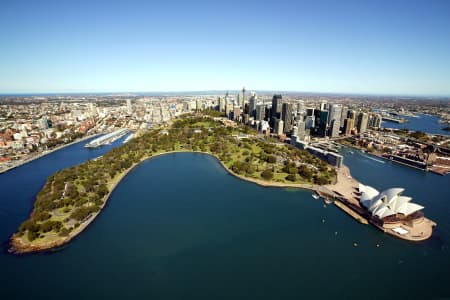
20	247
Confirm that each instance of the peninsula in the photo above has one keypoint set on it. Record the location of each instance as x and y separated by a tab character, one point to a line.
72	198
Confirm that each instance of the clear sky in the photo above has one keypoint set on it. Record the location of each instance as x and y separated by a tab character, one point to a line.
358	46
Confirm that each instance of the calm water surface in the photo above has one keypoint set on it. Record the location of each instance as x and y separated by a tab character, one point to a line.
179	227
424	123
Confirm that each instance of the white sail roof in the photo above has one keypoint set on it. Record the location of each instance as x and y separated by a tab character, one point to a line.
388	202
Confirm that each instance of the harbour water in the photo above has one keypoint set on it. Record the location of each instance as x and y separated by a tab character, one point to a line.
424	123
179	227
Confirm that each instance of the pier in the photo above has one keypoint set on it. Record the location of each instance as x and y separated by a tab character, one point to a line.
107	138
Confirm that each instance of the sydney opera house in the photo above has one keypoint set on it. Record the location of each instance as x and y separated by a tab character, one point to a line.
395	214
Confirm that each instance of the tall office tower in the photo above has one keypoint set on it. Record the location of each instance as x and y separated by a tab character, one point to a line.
351	114
286	116
309	122
276	106
334	119
301	107
252	103
349	124
260	112
361	122
344	114
321	118
377	121
310	112
301	130
279	126
323	105
243	96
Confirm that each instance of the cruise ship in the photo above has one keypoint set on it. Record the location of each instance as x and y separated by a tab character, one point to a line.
107	138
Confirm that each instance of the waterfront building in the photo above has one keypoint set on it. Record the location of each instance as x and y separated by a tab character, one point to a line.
374	121
349	124
344	115
286	116
361	122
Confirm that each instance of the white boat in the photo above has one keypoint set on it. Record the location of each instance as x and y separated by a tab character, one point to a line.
315	196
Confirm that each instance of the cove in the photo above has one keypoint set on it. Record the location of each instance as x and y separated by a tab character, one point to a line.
179	226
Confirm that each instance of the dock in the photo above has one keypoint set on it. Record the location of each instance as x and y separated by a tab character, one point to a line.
351	212
107	138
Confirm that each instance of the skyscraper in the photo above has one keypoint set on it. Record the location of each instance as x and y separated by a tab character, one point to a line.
260	112
279	126
276	106
243	96
334	119
361	122
349	124
252	103
286	116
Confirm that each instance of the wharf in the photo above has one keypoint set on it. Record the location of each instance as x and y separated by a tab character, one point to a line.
351	212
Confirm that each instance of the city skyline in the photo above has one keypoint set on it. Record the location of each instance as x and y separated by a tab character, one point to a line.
377	48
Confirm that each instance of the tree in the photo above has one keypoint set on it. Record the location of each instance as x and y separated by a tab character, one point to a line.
267	174
271	159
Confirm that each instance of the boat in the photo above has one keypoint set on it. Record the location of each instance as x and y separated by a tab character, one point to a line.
315	196
351	152
328	201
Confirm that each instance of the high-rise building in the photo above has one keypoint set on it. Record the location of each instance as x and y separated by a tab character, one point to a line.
374	121
301	132
321	122
349	124
276	106
301	108
334	119
361	122
279	126
309	122
286	116
324	105
344	114
260	112
252	103
243	96
221	104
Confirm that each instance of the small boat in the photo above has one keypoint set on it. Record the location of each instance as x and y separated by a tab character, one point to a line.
351	152
328	201
315	196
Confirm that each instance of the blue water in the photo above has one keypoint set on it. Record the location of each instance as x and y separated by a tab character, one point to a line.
179	227
424	123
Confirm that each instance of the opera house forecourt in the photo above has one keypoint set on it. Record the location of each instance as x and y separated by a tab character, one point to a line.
395	214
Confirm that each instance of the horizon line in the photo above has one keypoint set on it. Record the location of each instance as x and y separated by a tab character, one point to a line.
53	93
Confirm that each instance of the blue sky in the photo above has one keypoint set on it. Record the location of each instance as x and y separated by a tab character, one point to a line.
375	47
